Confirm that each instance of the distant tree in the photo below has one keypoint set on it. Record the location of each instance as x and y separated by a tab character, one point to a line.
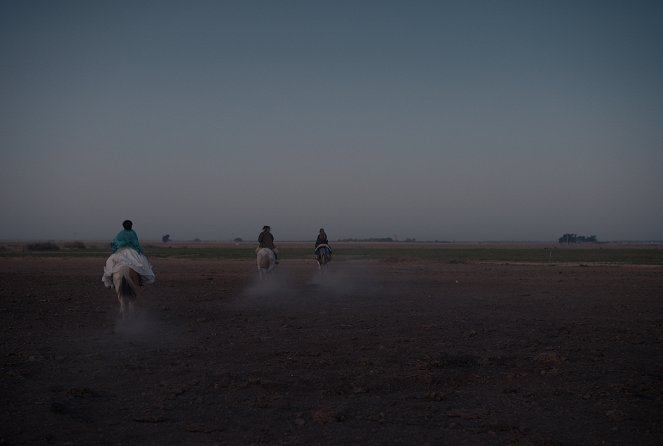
238	240
197	240
568	238
165	238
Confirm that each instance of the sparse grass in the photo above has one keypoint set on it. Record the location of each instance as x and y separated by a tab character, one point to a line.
74	245
224	252
386	253
634	256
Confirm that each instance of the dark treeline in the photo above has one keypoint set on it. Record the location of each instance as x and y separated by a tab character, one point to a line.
575	238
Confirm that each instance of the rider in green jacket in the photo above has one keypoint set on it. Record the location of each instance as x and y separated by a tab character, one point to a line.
126	238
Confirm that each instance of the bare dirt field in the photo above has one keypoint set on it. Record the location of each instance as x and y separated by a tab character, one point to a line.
376	352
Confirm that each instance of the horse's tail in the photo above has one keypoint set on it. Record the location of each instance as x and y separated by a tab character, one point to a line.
262	260
127	287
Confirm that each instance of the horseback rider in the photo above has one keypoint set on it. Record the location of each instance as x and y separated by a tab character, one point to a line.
266	240
127	237
322	240
134	258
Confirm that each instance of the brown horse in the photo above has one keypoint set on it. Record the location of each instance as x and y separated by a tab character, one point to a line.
127	285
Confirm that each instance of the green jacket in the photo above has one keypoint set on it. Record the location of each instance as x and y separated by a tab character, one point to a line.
128	239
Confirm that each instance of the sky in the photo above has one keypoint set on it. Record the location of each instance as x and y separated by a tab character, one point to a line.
433	120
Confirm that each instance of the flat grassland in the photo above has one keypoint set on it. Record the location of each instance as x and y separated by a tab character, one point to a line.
395	344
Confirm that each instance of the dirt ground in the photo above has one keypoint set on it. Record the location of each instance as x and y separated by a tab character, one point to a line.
376	352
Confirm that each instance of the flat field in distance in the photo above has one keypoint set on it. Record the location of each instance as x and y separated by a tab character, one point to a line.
633	254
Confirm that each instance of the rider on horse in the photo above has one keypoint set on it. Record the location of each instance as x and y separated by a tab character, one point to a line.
134	257
322	241
266	240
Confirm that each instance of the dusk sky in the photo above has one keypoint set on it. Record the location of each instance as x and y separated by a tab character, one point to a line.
434	120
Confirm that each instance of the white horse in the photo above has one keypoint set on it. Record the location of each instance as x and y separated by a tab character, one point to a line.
265	260
127	270
127	284
323	255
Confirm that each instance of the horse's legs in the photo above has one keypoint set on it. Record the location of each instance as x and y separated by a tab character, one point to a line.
127	307
127	288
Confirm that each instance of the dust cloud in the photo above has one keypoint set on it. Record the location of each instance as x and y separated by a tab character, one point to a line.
144	327
304	284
